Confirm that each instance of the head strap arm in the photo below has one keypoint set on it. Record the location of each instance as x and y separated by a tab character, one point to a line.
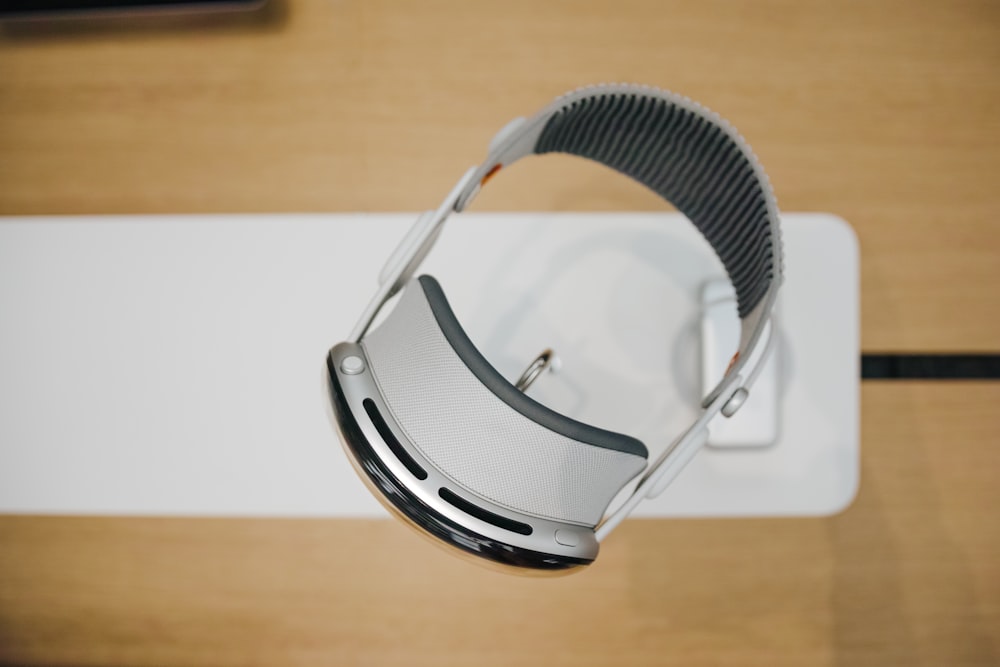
408	255
672	461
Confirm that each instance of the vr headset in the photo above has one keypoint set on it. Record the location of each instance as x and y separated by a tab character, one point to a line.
461	453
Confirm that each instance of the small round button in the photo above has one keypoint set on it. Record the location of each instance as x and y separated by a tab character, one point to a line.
567	538
352	365
735	402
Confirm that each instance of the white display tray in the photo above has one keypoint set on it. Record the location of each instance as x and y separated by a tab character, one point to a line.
174	365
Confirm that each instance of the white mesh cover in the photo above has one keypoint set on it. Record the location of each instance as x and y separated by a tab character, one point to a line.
476	439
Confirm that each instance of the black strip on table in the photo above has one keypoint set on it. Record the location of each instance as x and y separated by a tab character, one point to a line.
930	366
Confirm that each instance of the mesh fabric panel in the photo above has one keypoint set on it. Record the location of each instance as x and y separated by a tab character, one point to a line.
476	439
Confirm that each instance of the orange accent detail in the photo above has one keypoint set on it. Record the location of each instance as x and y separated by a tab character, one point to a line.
732	362
490	174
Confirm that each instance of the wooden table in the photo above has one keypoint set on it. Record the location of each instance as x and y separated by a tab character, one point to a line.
885	113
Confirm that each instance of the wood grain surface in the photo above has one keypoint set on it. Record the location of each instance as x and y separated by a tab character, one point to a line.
882	112
908	575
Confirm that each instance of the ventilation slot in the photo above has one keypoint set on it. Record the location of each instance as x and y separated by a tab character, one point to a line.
390	439
483	514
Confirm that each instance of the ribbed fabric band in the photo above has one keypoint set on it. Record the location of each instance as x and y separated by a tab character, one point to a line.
685	153
690	160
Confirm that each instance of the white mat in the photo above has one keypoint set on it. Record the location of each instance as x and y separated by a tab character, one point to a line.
174	365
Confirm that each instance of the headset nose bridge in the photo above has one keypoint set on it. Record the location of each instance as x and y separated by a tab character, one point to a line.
547	360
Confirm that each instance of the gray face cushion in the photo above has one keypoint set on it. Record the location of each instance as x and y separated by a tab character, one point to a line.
479	430
507	392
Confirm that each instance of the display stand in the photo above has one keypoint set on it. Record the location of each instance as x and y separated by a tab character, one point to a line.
174	364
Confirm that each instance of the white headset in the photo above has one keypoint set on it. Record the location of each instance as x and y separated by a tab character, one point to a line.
448	444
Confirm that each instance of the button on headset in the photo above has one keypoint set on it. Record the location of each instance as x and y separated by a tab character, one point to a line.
352	365
567	538
735	402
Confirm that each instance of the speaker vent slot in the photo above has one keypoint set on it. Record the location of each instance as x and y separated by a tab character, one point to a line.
390	439
484	514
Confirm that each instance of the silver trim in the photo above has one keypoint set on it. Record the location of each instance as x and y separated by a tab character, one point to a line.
357	388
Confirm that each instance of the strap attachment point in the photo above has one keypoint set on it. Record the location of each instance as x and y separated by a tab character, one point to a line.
546	360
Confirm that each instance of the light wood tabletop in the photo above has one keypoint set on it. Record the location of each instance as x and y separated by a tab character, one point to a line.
884	113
